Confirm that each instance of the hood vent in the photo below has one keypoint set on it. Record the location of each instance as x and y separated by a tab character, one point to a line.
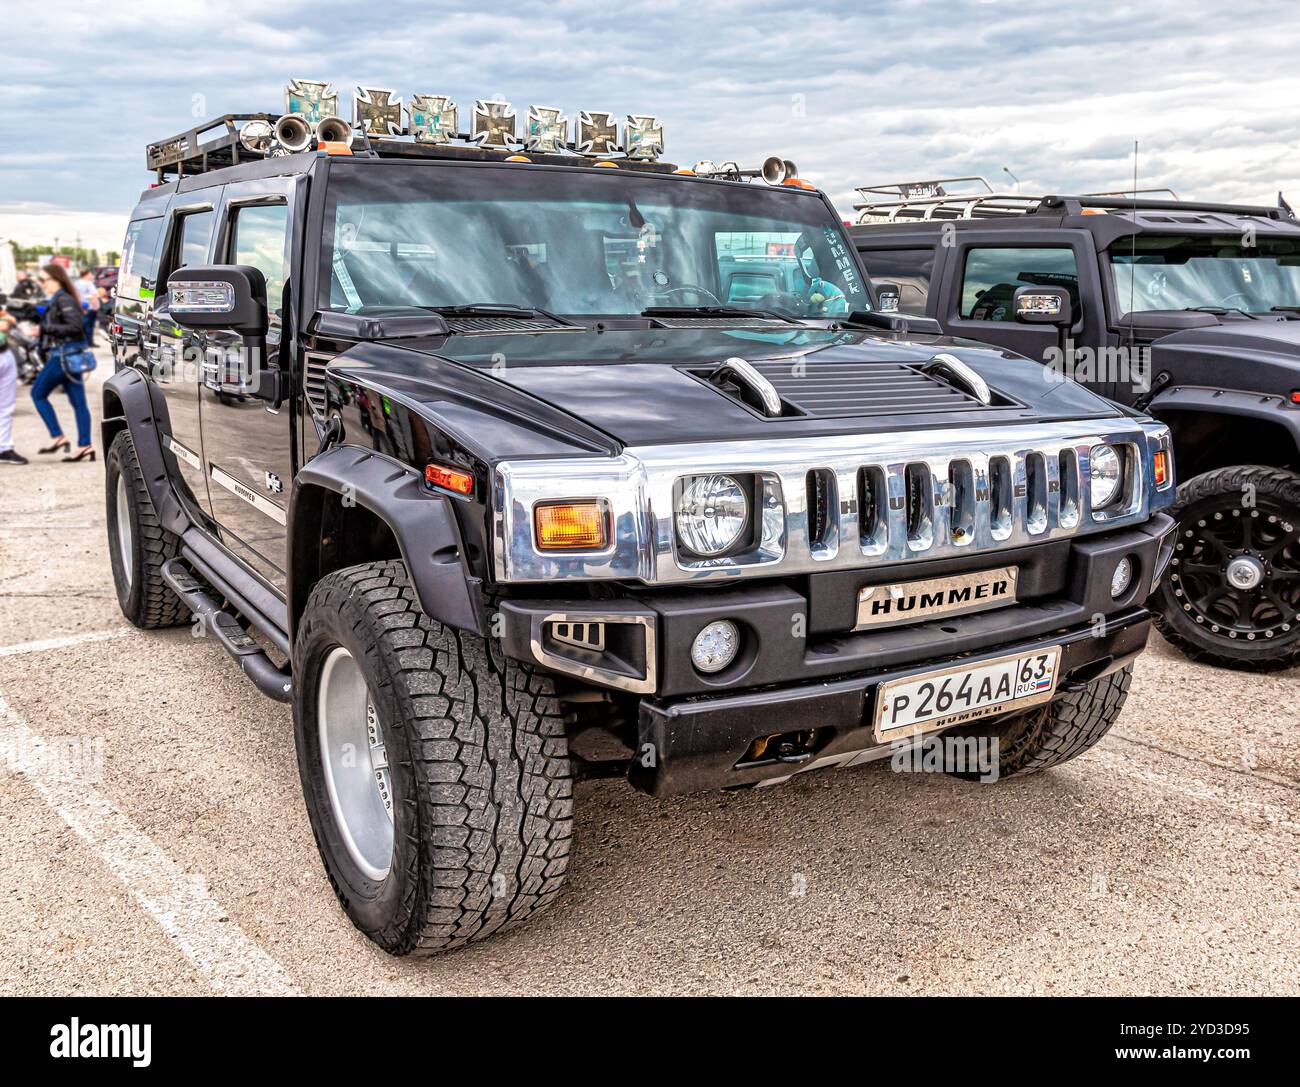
498	324
834	390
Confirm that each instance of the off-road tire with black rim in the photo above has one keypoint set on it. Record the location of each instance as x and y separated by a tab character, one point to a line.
1049	735
477	763
138	555
1249	514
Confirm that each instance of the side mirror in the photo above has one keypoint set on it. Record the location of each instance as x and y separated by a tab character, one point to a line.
888	295
1043	306
231	296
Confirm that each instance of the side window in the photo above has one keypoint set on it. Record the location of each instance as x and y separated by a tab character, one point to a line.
257	237
138	278
910	269
196	235
992	276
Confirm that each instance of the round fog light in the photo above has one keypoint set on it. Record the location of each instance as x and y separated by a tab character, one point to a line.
715	646
1121	578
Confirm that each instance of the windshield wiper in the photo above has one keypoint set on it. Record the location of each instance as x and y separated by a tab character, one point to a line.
716	311
1220	311
485	309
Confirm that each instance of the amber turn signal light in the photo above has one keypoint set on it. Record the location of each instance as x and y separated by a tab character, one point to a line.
1161	467
571	526
450	479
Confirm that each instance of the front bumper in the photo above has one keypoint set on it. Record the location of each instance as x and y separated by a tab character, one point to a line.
692	744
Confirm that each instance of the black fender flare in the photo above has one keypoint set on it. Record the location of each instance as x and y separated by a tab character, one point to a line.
1275	410
129	391
423	524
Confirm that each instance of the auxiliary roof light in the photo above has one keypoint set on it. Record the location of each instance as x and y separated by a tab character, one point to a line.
643	137
257	136
377	112
494	124
597	133
312	99
547	129
433	118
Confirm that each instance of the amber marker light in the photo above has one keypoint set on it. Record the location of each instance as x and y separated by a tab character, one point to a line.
571	526
449	479
1161	468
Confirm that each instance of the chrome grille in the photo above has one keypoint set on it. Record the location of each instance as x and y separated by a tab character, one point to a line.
838	502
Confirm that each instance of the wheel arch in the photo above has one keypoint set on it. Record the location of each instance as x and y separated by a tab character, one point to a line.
352	505
1215	429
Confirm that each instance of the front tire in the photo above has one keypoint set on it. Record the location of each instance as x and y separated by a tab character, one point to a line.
138	544
1057	732
1231	595
460	748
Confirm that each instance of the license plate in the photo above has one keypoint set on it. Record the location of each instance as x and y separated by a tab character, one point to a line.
952	696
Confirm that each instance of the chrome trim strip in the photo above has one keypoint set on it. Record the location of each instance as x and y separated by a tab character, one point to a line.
638	484
739	369
190	458
974	384
602	676
242	490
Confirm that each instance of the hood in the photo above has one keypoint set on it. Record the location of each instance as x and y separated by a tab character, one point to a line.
1257	356
647	386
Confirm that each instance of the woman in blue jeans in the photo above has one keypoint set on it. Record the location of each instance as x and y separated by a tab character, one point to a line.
62	325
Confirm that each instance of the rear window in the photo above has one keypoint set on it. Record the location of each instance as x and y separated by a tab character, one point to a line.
909	269
138	278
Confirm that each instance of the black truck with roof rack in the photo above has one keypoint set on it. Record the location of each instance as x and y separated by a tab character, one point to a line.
1189	311
510	462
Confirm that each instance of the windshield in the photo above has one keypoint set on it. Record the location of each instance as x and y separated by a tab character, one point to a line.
1173	272
574	243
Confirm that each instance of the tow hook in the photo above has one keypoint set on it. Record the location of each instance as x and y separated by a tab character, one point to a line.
787	747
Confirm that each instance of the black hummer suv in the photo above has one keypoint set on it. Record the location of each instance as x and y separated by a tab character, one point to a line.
1185	310
511	470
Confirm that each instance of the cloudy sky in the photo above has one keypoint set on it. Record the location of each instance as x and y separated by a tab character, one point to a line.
859	92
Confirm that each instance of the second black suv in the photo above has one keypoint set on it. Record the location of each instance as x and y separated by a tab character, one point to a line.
1189	311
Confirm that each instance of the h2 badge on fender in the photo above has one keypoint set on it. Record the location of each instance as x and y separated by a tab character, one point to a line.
952	696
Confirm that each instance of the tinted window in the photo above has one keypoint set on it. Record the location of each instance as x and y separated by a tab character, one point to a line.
257	237
138	278
196	234
910	269
579	242
992	276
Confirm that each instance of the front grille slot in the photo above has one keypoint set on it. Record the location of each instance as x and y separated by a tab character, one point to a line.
1001	497
1068	472
823	511
918	487
873	523
1035	493
961	502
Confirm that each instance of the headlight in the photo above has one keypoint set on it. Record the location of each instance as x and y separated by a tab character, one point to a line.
711	514
1105	473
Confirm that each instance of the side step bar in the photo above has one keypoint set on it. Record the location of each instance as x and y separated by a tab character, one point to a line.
234	639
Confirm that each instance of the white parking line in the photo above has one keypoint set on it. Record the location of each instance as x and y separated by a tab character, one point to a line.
179	902
62	643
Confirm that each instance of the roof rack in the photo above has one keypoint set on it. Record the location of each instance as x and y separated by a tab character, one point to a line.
910	201
216	144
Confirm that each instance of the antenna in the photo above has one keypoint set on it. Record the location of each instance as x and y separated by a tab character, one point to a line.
1132	267
1007	170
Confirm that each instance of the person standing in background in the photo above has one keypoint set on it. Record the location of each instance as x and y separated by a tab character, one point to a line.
61	327
8	393
89	302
